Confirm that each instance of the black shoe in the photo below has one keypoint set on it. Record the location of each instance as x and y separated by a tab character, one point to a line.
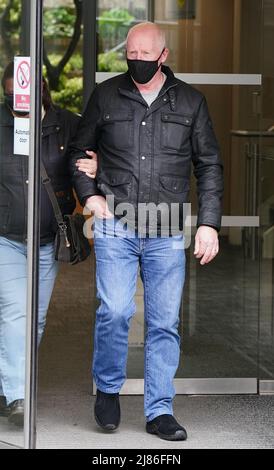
4	408
167	428
16	415
107	410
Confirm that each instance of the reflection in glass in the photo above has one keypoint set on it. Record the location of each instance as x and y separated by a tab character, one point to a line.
267	264
221	305
63	58
267	202
114	20
13	233
212	36
13	264
58	127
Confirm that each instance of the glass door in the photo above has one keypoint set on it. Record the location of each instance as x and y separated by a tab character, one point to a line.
20	135
266	208
220	311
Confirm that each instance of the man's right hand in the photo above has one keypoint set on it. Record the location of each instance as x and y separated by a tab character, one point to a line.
98	205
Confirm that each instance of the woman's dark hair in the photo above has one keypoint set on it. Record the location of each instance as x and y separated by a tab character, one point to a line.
8	73
47	101
46	98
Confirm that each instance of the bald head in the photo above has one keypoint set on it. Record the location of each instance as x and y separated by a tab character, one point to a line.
145	41
148	30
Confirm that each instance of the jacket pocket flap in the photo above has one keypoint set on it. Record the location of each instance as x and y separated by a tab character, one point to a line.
116	177
113	116
174	184
46	131
177	118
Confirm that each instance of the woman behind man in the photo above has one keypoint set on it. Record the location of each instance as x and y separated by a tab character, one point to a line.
58	128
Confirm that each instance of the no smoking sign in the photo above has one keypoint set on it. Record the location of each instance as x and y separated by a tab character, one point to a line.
22	84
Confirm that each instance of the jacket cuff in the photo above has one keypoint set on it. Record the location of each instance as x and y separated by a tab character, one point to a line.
216	227
85	189
209	220
85	198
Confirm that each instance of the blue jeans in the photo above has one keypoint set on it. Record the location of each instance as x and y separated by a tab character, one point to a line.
13	289
162	268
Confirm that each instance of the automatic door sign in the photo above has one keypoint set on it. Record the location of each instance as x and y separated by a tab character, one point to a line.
21	83
21	136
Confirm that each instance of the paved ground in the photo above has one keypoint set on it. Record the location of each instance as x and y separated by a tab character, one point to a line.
215	422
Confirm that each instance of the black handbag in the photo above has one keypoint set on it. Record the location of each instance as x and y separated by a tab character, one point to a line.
71	245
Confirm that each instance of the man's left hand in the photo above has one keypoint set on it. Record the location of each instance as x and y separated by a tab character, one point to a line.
206	244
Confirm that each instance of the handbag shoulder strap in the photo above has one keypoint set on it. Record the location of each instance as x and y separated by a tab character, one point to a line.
46	181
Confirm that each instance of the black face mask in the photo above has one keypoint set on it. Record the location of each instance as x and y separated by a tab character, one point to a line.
9	103
142	71
9	100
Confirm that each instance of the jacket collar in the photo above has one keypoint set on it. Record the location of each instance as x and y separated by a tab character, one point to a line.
128	84
51	117
128	88
171	80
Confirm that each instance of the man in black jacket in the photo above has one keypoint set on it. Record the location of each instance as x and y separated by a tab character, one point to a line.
148	129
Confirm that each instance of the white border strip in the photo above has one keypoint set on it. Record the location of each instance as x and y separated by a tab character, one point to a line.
231	221
266	387
220	78
203	78
241	221
207	386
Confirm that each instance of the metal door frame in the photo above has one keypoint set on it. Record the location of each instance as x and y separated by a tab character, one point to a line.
33	242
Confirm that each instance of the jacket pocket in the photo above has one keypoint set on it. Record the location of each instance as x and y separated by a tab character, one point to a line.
118	129
53	147
175	130
117	183
173	189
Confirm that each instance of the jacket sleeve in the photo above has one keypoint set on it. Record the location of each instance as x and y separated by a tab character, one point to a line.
208	169
85	139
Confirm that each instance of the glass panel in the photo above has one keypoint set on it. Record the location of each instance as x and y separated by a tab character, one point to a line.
195	27
14	40
66	350
114	20
219	323
220	308
63	58
267	202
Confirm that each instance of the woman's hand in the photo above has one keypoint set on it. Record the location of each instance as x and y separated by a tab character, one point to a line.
88	165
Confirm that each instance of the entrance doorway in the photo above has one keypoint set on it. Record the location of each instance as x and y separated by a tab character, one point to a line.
227	315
